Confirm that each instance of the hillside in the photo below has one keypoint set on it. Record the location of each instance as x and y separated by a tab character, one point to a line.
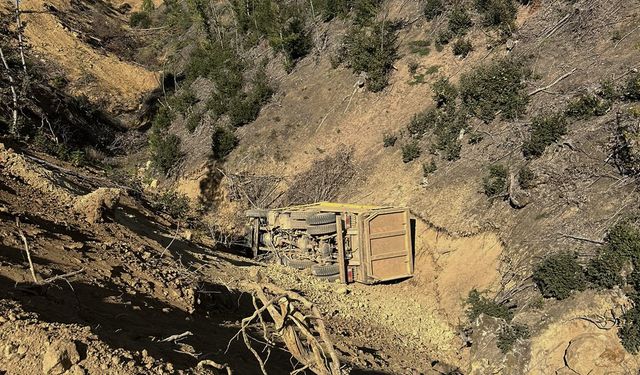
509	128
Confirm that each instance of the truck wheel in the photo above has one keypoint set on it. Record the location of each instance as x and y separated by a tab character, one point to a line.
256	213
319	230
299	264
330	278
323	218
326	270
298	224
301	215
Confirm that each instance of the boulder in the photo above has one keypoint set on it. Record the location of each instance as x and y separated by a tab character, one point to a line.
60	356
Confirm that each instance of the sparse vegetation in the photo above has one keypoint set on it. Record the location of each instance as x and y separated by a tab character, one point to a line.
442	39
630	331
587	105
459	20
140	20
429	168
632	87
559	275
410	151
510	334
545	130
165	150
526	177
478	304
173	203
420	47
433	8
444	92
498	13
223	141
413	66
462	47
496	88
495	183
372	50
389	139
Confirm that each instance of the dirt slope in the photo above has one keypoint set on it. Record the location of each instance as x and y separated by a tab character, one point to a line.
478	243
103	77
134	280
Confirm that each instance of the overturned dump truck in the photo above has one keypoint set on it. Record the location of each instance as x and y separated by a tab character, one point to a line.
346	242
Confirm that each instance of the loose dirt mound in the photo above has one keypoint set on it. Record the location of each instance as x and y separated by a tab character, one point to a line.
98	203
34	175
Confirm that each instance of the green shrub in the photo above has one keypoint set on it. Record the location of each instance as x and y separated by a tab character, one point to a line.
585	106
448	126
443	38
459	20
413	66
624	239
632	87
630	331
173	203
389	139
558	275
330	9
148	6
510	334
604	270
372	50
475	138
544	131
526	178
193	120
495	183
163	118
428	168
478	304
433	8
365	10
420	47
410	151
223	141
608	90
462	47
497	87
165	150
140	19
294	40
498	13
422	122
444	92
181	102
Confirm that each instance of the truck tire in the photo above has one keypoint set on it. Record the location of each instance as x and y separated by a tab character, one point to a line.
301	215
256	213
319	230
298	224
326	270
323	218
299	264
330	278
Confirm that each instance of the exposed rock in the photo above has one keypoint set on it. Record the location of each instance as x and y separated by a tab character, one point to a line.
76	370
594	353
98	203
59	357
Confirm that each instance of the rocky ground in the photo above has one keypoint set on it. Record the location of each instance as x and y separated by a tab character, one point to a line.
114	279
